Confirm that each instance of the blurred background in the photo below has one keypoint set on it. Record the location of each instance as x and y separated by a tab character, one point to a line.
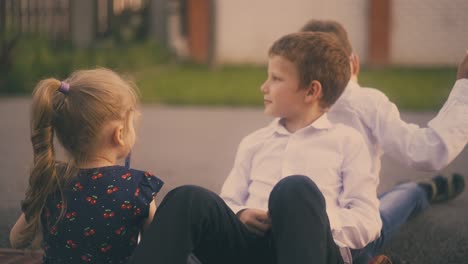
199	65
220	46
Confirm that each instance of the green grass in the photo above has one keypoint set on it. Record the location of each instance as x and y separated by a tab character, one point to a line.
199	85
161	80
35	58
410	88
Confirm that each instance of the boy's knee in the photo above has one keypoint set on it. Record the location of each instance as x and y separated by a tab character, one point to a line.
293	187
408	185
413	188
294	183
293	195
191	194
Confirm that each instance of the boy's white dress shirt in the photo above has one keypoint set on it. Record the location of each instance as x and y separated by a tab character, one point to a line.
334	156
371	113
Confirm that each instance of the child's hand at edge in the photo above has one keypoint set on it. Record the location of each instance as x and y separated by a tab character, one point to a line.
462	72
257	221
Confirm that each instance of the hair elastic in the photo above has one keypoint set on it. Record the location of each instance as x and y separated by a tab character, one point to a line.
64	87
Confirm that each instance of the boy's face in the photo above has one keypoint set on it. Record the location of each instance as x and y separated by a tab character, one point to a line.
281	94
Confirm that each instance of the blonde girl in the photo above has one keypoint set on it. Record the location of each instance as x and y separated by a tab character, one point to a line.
88	210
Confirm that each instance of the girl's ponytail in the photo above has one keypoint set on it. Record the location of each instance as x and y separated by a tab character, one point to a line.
43	178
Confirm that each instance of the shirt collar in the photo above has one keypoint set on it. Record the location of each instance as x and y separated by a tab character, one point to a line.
352	85
320	123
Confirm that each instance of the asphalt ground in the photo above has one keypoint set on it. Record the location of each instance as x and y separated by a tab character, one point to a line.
196	145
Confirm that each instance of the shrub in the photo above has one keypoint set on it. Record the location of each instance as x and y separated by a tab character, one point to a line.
35	58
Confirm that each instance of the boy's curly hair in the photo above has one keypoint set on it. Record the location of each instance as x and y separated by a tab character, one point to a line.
318	56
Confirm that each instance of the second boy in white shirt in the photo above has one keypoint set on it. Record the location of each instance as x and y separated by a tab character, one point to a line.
371	113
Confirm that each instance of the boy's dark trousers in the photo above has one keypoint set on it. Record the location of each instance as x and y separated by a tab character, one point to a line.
191	219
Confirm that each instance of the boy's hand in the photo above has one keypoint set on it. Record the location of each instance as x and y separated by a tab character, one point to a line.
463	68
256	221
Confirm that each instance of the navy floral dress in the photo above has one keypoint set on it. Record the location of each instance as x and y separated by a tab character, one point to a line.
105	210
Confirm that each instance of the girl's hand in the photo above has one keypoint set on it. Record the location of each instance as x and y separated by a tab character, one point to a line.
256	221
147	221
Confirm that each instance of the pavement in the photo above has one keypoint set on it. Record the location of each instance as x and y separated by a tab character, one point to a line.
197	145
12	256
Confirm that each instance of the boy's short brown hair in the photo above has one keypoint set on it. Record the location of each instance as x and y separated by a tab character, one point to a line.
330	26
317	56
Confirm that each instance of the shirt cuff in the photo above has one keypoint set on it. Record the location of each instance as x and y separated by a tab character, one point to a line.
460	91
237	208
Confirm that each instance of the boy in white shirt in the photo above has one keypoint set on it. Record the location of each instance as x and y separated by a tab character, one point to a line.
302	141
432	148
301	190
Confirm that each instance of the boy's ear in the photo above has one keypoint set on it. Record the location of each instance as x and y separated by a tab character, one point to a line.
355	66
118	135
314	91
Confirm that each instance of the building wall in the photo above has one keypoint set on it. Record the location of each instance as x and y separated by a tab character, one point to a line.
429	32
422	32
245	29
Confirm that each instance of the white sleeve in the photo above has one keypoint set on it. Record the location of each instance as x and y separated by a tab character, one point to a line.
358	219
451	123
429	148
235	189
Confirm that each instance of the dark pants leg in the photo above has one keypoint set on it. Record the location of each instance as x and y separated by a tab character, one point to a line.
300	226
191	219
